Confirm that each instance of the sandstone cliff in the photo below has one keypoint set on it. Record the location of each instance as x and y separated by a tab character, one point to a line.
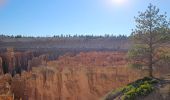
15	62
5	88
85	76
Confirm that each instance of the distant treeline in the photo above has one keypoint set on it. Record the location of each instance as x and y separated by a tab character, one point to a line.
69	36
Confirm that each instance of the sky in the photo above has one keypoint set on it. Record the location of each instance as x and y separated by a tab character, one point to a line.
81	17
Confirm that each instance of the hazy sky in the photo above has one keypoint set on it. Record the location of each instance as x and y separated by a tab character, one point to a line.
55	17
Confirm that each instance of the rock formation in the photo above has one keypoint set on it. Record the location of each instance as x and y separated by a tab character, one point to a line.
22	59
14	62
1	69
5	88
85	76
74	83
38	61
11	59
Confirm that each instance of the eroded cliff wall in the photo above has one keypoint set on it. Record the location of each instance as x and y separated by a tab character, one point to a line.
74	84
14	62
85	76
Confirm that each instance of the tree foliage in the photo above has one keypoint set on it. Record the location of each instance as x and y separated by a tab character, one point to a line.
151	38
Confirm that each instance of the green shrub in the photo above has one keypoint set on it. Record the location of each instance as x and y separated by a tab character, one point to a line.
145	89
127	88
141	87
130	95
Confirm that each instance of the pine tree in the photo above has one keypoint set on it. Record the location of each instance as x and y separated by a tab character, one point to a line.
150	36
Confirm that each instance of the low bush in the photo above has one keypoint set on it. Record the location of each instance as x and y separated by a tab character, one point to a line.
141	87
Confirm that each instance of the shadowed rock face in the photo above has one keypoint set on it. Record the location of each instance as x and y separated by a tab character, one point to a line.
14	62
85	76
8	60
1	69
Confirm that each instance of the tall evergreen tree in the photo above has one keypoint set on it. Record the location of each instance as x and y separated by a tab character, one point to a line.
150	37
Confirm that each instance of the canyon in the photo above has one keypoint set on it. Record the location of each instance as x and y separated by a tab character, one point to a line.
64	69
81	76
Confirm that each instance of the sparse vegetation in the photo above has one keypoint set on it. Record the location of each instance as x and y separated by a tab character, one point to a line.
142	87
134	90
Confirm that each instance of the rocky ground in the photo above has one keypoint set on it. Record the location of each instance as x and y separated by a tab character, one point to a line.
161	92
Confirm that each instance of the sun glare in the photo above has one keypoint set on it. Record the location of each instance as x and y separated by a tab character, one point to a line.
119	2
